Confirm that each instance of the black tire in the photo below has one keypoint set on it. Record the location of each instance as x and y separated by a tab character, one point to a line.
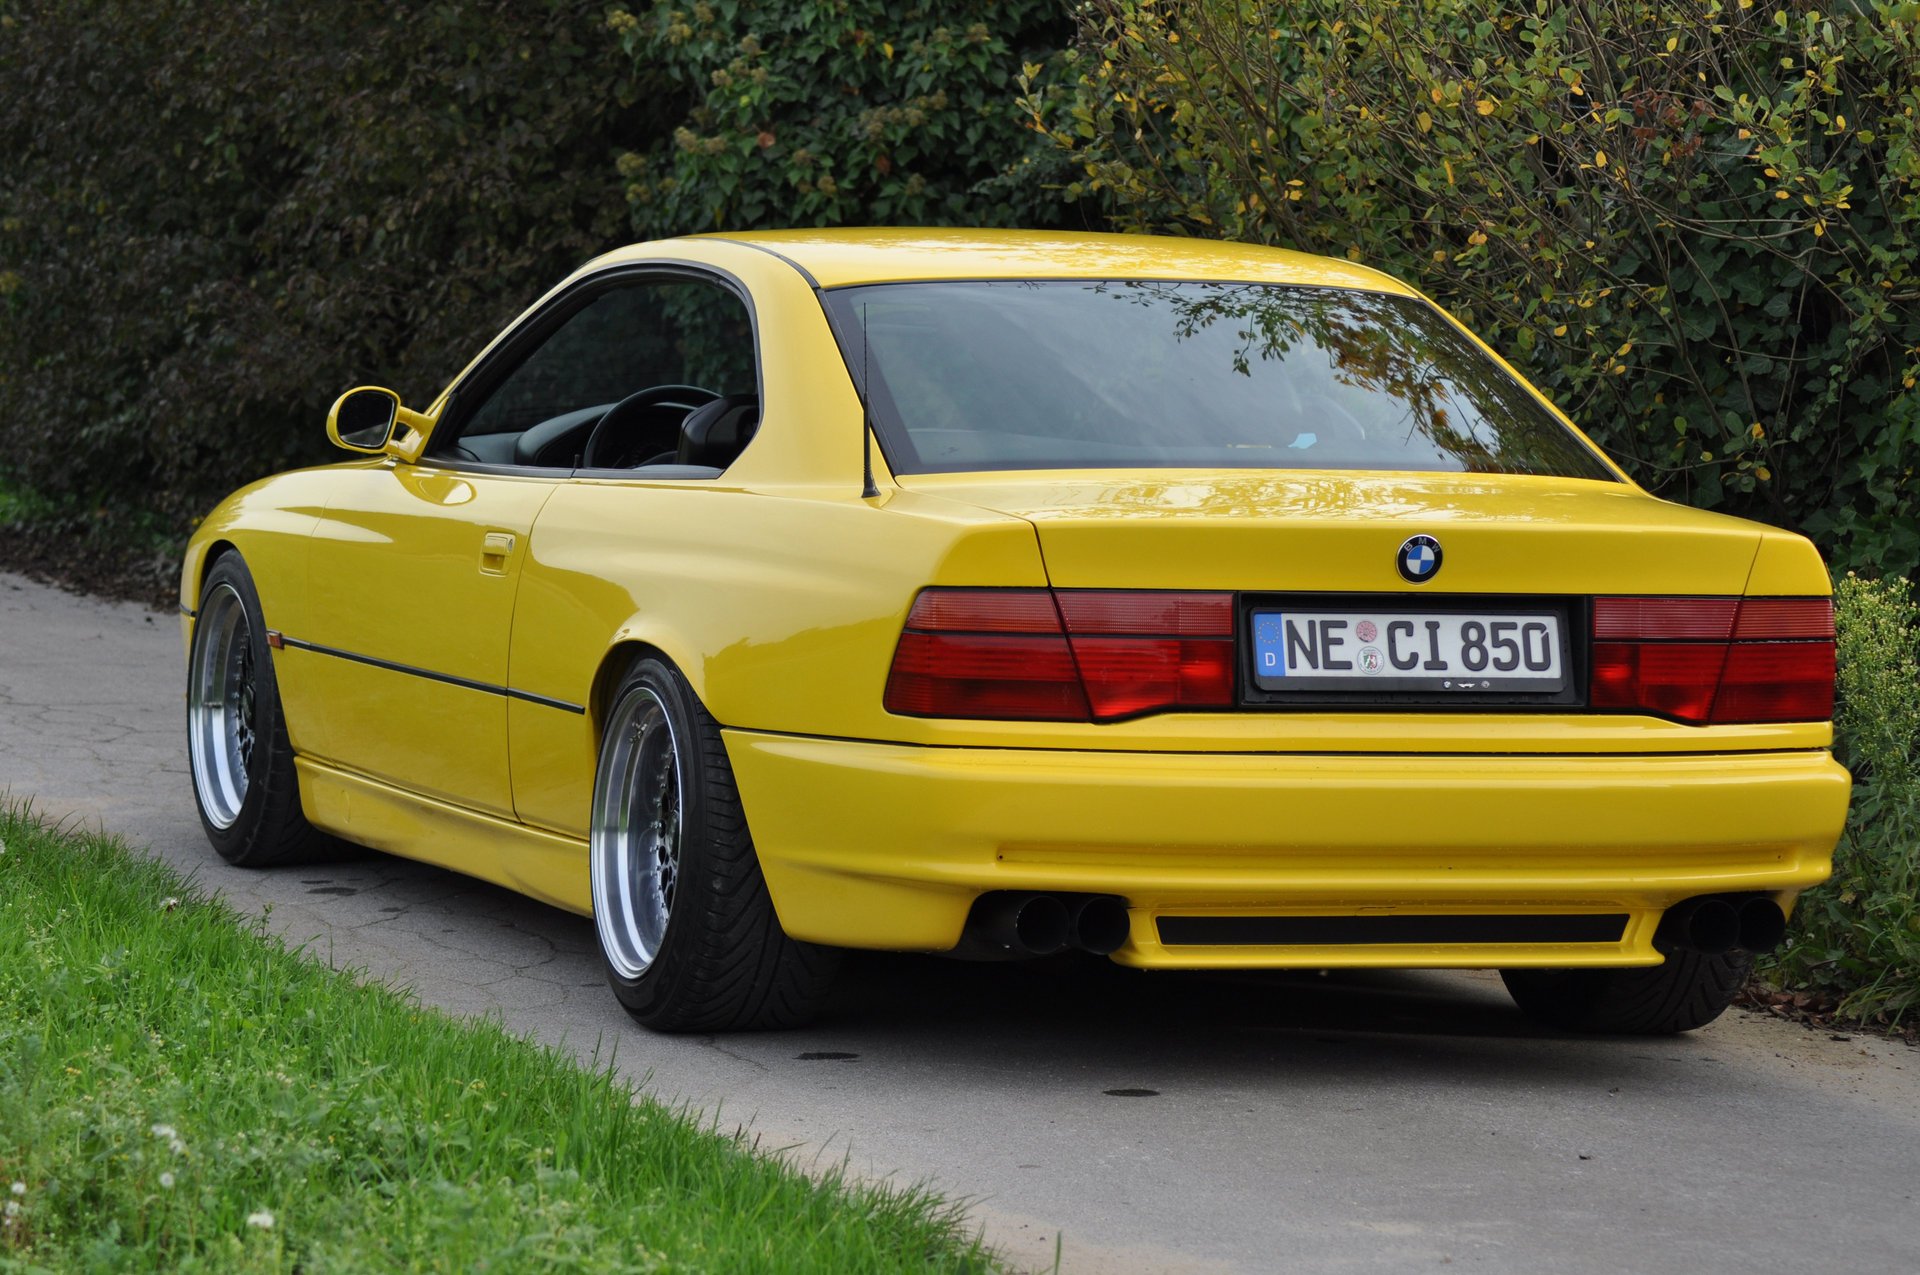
697	947
249	803
1688	991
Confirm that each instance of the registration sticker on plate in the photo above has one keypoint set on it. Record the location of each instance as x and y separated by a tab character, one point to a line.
1457	652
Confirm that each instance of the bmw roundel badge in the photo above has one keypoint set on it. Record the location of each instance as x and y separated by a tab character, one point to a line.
1419	559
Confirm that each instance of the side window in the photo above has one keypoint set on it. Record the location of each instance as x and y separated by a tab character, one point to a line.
645	335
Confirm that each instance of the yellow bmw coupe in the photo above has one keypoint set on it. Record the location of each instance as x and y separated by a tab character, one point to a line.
1194	604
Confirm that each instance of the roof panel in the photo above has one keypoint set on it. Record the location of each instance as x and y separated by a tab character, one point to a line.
841	257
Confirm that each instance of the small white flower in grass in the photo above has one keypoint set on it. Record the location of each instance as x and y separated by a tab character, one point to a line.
18	1188
13	1208
166	1180
177	1147
260	1218
163	1131
169	903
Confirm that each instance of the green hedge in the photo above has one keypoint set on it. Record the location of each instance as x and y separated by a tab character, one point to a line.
1858	938
1694	223
840	112
214	217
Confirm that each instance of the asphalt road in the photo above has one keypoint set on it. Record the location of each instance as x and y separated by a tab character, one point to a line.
1347	1122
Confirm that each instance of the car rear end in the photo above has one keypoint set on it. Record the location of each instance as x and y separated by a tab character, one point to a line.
1367	660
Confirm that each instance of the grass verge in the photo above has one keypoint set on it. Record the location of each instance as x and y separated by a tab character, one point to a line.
179	1092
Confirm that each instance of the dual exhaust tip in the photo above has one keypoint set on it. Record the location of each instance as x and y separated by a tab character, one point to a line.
1014	924
1715	924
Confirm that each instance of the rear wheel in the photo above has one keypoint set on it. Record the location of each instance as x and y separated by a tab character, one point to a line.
687	930
1690	990
237	748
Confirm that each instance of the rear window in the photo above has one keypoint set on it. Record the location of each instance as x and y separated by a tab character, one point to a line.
1115	374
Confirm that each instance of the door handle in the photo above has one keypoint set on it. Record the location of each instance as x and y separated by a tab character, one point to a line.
494	548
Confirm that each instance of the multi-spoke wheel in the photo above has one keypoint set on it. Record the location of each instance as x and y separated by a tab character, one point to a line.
636	831
237	748
686	927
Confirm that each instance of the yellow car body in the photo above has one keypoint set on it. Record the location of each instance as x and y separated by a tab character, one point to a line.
447	637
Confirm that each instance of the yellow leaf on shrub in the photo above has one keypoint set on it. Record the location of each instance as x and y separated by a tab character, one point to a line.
1485	106
1600	158
1424	122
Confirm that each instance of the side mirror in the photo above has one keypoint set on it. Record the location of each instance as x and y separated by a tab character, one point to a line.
370	420
362	420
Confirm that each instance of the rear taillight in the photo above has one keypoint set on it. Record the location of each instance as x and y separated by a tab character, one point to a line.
1715	660
1066	655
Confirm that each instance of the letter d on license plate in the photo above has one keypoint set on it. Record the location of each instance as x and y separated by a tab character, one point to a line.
1387	652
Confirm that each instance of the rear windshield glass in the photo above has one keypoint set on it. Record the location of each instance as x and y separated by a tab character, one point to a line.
1111	374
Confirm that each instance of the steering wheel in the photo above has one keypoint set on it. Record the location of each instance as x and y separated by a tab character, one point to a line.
603	445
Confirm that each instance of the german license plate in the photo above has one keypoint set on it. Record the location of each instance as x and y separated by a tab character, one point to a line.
1459	652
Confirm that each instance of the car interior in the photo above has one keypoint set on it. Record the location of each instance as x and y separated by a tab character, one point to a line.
619	383
677	427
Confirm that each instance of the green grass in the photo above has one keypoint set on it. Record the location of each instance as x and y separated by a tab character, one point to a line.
168	1071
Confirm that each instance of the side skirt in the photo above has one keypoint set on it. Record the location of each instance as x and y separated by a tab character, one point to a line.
541	865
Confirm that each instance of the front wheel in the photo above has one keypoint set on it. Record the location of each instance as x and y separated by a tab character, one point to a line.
687	929
1689	990
237	748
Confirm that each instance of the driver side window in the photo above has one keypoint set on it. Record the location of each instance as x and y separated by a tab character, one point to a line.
639	336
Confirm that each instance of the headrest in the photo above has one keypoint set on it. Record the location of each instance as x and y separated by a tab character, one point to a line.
715	433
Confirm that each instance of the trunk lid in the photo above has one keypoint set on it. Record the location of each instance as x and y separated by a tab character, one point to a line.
1342	531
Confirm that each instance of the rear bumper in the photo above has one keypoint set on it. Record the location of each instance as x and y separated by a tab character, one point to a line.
886	845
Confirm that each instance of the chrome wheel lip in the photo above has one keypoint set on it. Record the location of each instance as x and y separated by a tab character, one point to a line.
222	702
638	831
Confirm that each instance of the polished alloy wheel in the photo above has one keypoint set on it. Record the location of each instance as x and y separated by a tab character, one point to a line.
220	706
638	798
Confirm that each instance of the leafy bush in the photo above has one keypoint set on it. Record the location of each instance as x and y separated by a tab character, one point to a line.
837	112
215	217
1695	224
1859	936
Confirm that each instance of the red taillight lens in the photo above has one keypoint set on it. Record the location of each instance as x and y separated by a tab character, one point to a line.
1067	655
1676	679
1025	676
1156	614
984	611
1664	619
1127	675
1756	665
1764	619
1776	682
